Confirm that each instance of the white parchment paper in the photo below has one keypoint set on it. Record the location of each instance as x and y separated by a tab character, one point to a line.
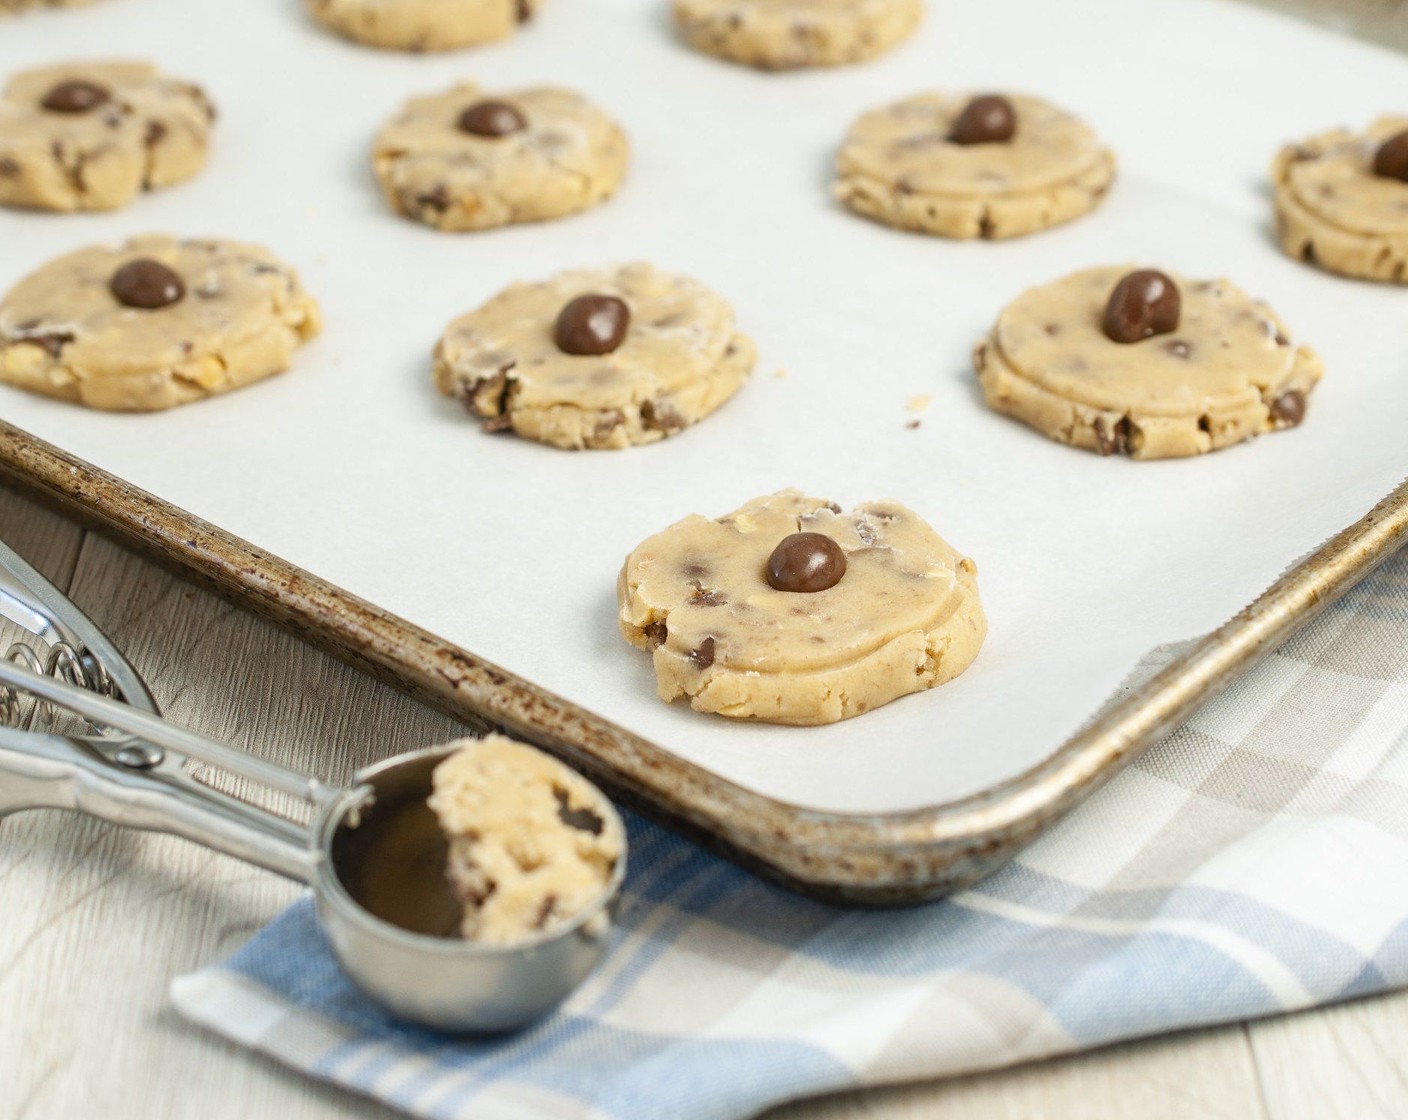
353	467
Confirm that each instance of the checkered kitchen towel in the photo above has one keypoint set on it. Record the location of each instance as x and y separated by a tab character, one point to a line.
1251	864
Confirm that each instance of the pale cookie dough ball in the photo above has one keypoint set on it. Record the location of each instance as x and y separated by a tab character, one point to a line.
463	160
789	34
1342	200
533	846
153	323
1145	364
93	135
596	358
423	25
790	611
956	165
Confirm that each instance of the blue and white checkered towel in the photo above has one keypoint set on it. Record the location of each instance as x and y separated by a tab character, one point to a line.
1251	864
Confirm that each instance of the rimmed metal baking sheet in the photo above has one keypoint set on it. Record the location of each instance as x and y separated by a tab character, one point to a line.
351	468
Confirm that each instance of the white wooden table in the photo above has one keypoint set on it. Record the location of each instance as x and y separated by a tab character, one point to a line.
94	921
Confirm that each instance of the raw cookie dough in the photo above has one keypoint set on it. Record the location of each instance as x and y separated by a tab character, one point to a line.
64	333
423	25
680	359
142	131
1228	372
567	156
1333	211
899	166
904	617
787	34
532	845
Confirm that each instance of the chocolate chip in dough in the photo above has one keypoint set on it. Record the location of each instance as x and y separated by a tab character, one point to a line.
583	820
703	657
592	325
492	119
1116	439
437	199
1144	303
546	911
1391	160
1289	408
706	597
53	342
146	284
806	562
989	119
75	96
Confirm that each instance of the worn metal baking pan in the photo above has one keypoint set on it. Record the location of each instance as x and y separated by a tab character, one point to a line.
868	859
909	801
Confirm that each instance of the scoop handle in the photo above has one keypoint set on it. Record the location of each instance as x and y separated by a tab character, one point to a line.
142	778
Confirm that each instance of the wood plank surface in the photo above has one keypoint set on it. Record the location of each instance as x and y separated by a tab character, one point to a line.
1350	1061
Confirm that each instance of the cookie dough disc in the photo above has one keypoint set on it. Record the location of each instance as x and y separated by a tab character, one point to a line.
64	334
532	845
681	358
904	617
898	166
149	131
788	34
1227	373
1333	211
568	157
423	25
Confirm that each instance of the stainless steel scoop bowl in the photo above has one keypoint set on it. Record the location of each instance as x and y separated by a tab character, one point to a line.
371	851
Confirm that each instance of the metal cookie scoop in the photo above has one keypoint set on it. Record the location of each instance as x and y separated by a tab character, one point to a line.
372	852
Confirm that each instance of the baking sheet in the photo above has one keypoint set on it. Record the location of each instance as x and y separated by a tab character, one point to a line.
351	465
